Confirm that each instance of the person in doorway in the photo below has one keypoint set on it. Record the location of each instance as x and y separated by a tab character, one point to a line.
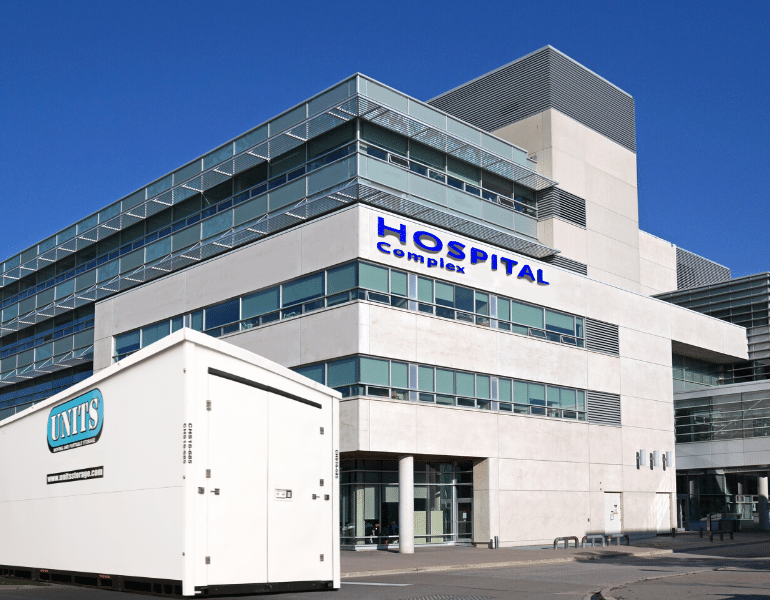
377	534
393	531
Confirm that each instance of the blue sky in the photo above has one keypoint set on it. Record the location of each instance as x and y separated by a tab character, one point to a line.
99	98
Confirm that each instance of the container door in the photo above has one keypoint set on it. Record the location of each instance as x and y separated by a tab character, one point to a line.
237	489
301	522
612	514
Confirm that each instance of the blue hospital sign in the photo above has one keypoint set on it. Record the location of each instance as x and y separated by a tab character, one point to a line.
77	422
455	253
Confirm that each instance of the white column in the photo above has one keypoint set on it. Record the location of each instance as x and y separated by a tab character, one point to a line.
406	505
764	525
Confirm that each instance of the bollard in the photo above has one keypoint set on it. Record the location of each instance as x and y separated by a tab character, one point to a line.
497	543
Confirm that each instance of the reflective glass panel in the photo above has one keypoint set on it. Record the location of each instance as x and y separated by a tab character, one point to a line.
260	303
303	289
398	283
373	277
445	381
222	314
465	384
342	278
559	322
526	314
399	374
425	378
375	371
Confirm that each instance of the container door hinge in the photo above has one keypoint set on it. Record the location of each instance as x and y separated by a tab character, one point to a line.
322	430
322	558
208	404
208	560
208	473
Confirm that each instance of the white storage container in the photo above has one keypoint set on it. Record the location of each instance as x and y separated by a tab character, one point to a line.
190	467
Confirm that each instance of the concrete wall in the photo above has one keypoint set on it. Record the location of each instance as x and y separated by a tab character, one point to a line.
657	263
602	172
526	465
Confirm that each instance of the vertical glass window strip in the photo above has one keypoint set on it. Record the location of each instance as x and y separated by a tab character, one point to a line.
177	323
425	290
196	320
482	387
465	384
425	379
399	374
464	299
505	390
445	294
536	397
398	283
445	381
482	304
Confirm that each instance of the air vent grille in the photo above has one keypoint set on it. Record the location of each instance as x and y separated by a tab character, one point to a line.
602	337
555	202
602	408
567	263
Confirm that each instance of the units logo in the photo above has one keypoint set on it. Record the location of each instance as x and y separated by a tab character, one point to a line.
77	422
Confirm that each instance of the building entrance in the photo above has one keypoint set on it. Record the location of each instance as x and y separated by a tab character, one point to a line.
443	502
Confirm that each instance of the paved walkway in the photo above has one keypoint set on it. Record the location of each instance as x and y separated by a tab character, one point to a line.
390	562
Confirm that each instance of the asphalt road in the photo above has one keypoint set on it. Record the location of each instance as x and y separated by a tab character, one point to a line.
740	572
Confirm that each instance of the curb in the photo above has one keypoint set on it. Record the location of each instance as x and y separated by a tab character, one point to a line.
512	563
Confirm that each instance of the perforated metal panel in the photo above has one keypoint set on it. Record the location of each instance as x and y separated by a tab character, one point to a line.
693	270
602	408
555	202
544	79
602	337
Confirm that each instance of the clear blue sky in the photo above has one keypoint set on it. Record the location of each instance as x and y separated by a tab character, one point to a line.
99	98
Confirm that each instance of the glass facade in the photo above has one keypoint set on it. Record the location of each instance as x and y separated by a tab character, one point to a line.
234	195
730	496
724	417
443	502
360	280
382	378
691	374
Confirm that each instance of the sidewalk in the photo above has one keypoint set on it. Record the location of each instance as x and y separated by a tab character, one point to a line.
447	558
390	562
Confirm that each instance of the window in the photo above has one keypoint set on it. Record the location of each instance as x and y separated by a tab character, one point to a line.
342	278
127	343
375	371
373	277
342	372
153	333
223	314
260	303
304	289
526	314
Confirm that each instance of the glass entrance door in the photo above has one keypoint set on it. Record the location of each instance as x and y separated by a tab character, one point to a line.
464	514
